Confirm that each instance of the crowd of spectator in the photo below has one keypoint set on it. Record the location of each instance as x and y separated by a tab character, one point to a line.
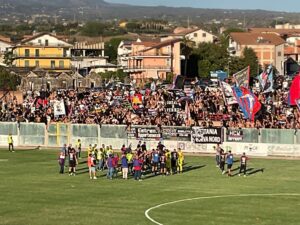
194	106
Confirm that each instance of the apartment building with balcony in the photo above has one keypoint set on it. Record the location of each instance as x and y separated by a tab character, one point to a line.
269	48
153	60
45	51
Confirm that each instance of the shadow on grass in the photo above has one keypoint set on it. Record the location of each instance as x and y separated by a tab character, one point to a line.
249	171
256	171
82	172
235	169
84	168
191	168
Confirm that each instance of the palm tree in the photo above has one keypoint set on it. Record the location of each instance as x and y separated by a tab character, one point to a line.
186	49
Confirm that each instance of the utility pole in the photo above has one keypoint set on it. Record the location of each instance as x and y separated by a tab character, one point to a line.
228	69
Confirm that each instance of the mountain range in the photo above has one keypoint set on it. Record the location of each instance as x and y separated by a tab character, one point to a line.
99	9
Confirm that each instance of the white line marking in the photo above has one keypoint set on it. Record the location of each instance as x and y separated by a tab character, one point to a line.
210	197
3	160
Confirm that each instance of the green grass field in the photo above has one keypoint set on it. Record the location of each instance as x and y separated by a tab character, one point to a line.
34	193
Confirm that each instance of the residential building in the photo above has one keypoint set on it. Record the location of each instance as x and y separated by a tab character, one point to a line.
89	56
124	49
293	51
287	26
153	60
269	48
45	51
195	35
290	35
5	45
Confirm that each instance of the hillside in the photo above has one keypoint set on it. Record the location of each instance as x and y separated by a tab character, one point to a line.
99	9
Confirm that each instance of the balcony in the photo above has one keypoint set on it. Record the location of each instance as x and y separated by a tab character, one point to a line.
149	56
48	68
41	56
144	68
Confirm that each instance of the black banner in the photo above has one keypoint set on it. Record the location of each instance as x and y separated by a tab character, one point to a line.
180	134
235	135
155	133
172	107
148	133
207	135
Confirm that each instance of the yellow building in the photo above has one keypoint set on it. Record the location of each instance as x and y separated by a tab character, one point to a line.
45	51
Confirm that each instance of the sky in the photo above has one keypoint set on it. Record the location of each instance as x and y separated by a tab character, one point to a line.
276	5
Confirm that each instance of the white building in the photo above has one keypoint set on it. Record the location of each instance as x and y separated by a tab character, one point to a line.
124	50
196	35
5	45
90	57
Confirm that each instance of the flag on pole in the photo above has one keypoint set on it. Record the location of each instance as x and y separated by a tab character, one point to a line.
242	77
247	101
298	103
266	79
228	95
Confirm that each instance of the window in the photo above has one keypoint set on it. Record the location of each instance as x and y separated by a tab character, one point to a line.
40	41
61	64
279	54
65	52
37	53
46	42
26	63
204	35
92	84
52	64
27	52
169	49
168	62
195	35
31	85
37	63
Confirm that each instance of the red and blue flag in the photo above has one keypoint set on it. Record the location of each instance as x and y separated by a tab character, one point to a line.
247	101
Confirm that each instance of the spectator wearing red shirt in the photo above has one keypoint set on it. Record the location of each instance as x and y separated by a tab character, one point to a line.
137	166
115	162
92	167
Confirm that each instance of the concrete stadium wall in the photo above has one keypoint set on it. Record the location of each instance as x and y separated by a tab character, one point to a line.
263	142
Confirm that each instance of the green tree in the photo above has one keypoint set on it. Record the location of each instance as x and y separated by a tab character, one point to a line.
119	75
169	78
8	81
93	29
8	58
250	59
111	49
132	26
204	68
210	57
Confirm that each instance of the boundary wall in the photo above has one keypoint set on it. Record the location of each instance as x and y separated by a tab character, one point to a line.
255	142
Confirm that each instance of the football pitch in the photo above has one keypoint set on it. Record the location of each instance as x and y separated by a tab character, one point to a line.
34	193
